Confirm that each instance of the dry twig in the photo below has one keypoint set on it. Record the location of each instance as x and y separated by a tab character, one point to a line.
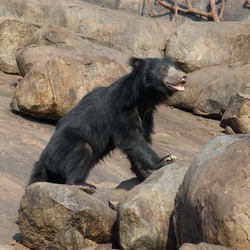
176	10
212	14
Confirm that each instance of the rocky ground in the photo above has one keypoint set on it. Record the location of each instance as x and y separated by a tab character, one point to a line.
22	139
64	48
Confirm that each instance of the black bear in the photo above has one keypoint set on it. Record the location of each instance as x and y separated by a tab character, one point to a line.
117	116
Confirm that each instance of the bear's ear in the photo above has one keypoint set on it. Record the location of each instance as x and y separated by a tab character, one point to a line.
136	63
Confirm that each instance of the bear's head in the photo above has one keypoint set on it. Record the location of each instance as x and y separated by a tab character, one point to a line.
158	74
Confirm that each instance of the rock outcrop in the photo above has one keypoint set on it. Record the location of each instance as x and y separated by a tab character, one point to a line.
14	34
61	50
209	90
94	31
202	246
55	80
132	34
234	11
145	213
212	204
66	39
237	115
63	217
207	44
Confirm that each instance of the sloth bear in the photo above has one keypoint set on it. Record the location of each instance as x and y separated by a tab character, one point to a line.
118	116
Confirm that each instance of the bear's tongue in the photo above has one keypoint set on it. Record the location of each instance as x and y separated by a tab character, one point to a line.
179	87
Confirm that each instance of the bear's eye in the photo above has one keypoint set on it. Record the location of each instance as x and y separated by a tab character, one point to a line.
164	69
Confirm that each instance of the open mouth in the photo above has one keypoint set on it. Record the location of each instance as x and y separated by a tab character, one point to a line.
179	86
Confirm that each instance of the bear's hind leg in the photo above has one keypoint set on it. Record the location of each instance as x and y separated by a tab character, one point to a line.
77	178
79	163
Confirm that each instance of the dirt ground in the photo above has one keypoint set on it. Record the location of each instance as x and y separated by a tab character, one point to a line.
22	139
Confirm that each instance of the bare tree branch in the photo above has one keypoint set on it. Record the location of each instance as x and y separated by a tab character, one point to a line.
212	14
176	9
149	7
214	11
222	9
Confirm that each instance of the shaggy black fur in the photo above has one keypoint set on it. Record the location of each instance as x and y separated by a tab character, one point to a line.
118	116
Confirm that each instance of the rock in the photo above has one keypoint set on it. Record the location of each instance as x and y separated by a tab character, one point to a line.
212	204
142	8
14	33
13	245
132	34
237	114
144	213
202	246
63	217
67	238
209	90
228	130
234	11
62	38
55	80
206	44
6	247
120	191
100	247
7	84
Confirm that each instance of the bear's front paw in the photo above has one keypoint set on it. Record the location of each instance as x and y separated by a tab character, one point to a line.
86	187
169	159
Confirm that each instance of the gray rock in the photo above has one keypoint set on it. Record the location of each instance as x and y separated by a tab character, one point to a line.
202	246
14	33
62	38
6	247
132	34
200	45
234	10
237	114
144	214
63	217
212	204
55	80
100	247
209	90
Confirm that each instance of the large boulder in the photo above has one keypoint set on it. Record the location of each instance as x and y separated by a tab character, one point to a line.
237	115
144	213
63	38
206	44
209	90
234	10
133	34
55	80
14	33
202	246
54	216
212	204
